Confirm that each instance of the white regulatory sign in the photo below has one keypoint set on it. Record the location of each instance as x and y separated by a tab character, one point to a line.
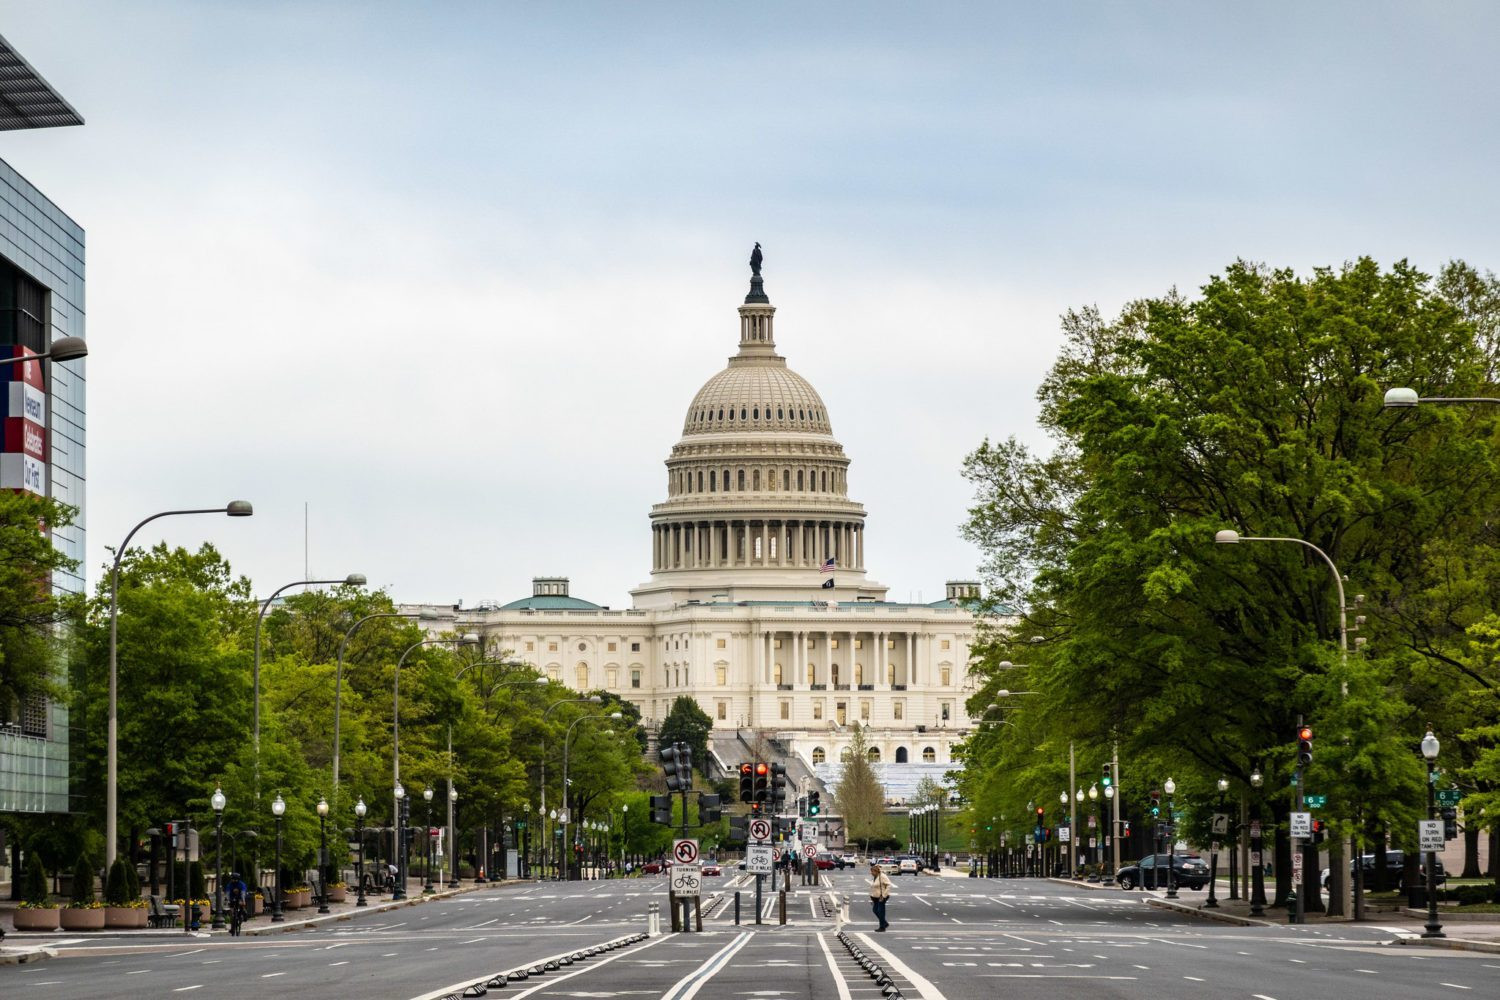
760	829
1296	866
1301	825
809	850
685	880
1065	834
759	859
1430	834
684	852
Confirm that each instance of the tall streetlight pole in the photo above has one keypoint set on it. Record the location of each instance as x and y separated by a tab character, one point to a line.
399	821
1430	749
62	349
235	508
1401	398
354	580
1257	845
1170	787
452	838
1213	854
467	639
593	699
338	688
427	842
612	716
323	855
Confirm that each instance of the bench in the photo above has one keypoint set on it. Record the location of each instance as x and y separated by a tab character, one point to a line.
161	914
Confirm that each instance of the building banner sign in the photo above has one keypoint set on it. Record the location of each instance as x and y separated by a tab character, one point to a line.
26	401
24	436
20	471
23	454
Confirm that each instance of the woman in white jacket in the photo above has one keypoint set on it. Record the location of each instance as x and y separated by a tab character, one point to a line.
880	891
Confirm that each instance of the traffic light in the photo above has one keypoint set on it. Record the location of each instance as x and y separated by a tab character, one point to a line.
747	782
661	809
762	781
756	809
778	783
1108	779
1450	822
1124	827
685	764
814	803
1319	828
1155	802
709	809
738	828
1304	746
671	763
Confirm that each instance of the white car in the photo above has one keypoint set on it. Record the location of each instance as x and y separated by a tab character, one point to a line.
908	867
850	860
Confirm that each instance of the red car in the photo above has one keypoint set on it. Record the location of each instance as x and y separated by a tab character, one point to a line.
712	869
823	862
651	868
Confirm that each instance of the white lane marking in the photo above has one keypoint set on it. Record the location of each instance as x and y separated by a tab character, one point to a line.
181	989
1262	996
599	964
1193	978
1456	986
688	986
924	987
838	977
344	962
272	975
137	972
479	939
1368	972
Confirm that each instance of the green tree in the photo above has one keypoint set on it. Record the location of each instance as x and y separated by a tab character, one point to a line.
858	795
30	611
1254	406
687	723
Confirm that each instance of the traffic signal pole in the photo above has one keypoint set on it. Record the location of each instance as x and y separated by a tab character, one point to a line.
1298	861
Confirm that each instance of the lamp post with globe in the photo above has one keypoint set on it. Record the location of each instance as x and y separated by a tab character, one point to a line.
359	838
1257	846
218	802
278	809
427	887
1430	749
323	855
1170	787
1213	854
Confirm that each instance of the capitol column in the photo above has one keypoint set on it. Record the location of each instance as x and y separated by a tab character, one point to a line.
765	542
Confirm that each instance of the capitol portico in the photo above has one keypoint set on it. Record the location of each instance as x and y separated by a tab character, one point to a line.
758	605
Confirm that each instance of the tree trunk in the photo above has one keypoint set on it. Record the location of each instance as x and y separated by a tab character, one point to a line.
1379	883
1283	852
1311	873
1471	852
1338	877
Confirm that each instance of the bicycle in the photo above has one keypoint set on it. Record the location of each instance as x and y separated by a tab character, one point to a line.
236	916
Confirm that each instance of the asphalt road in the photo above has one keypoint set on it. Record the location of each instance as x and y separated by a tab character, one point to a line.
950	937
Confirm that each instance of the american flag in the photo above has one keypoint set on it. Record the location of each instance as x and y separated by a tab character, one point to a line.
828	565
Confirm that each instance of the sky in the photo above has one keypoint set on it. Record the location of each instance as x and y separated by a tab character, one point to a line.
433	285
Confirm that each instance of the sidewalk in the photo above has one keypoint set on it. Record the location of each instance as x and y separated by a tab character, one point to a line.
1473	932
29	946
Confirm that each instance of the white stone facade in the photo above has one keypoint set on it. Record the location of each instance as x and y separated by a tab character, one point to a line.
736	612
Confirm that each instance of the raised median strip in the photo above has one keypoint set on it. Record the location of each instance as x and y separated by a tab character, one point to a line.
478	986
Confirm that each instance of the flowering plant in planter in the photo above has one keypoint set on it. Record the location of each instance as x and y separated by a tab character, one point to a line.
34	895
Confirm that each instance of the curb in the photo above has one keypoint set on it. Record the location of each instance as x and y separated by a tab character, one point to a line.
1456	944
1092	886
1223	918
23	956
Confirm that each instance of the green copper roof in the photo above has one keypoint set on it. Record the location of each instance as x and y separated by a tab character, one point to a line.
551	602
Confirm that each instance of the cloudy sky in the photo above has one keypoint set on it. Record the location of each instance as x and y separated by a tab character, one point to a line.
450	273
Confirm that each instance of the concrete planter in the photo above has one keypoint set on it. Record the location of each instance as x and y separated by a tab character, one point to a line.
337	894
76	918
125	917
35	920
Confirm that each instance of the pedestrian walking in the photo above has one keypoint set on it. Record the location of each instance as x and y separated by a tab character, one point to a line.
880	891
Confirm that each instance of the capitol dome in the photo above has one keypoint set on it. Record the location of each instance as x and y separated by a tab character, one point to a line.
757	487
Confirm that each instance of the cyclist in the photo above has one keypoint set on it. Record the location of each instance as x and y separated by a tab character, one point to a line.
238	895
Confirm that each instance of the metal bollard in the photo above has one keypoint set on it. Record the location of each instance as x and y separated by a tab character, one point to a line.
782	897
736	907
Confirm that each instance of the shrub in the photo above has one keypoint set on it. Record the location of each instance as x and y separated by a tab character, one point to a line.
117	884
197	883
83	882
1470	895
34	884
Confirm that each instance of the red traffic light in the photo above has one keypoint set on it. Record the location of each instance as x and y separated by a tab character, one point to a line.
1039	812
761	769
747	768
1305	733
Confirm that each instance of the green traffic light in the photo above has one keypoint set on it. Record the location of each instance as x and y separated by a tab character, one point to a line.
1155	811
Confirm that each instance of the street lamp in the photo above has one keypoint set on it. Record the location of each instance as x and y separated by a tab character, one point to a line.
591	699
235	508
1402	398
359	837
323	855
62	349
1429	753
1257	845
278	809
1170	787
353	579
452	835
614	717
338	688
218	801
399	893
427	838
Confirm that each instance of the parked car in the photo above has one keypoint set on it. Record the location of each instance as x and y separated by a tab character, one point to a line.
1395	868
1188	872
651	868
908	866
712	870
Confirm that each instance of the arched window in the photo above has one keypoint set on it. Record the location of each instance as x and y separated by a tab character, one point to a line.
818	755
890	673
786	479
700	480
799	479
929	755
742	413
859	673
901	755
873	754
726	480
779	415
757	413
844	755
731	413
833	674
776	673
554	673
721	414
825	481
635	678
755	480
713	481
742	480
812	674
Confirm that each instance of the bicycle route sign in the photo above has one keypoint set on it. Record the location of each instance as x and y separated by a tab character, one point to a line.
685	880
759	859
760	829
684	852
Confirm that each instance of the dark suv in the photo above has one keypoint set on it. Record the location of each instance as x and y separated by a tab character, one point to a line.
1189	872
1395	868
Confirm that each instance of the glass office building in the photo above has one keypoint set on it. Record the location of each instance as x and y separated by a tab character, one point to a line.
41	299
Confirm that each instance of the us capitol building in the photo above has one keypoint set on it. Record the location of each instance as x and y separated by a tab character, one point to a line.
744	611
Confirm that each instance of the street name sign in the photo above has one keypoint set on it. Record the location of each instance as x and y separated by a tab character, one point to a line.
1449	796
1301	825
1315	801
760	829
684	852
685	880
759	859
1430	834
